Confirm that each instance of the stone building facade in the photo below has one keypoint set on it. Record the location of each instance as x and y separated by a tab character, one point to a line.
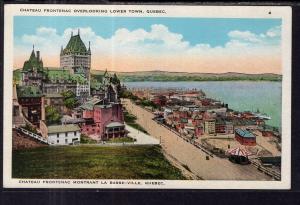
76	56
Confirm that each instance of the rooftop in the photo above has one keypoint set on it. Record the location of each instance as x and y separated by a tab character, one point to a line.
244	133
29	91
115	124
34	62
55	74
89	105
75	46
62	128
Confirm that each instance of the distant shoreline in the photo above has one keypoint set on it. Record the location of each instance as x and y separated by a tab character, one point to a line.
206	80
164	76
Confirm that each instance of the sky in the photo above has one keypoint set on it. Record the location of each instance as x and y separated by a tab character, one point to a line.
206	45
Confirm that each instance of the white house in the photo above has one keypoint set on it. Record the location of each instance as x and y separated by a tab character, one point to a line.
67	134
64	134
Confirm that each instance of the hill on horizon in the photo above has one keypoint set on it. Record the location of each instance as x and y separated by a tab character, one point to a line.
157	75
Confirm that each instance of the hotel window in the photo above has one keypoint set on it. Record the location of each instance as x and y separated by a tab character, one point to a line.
57	135
66	134
57	141
75	133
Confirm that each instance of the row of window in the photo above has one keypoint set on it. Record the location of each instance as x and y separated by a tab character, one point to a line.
66	140
66	134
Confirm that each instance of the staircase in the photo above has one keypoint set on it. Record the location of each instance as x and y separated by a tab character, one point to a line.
32	135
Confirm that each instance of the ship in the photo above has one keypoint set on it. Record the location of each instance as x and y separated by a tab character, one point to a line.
262	116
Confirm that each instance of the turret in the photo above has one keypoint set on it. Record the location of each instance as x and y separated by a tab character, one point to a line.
38	55
61	50
89	50
32	53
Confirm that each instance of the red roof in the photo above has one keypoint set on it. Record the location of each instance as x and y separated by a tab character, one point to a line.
239	152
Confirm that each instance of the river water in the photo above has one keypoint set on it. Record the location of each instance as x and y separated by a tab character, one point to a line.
239	95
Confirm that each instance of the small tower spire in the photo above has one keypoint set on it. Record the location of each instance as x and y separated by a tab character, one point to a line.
71	33
89	50
32	53
61	50
78	31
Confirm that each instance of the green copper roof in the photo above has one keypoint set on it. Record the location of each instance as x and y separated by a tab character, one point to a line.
75	46
63	74
29	91
33	63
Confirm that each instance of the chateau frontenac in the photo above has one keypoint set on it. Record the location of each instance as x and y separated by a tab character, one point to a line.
67	101
76	56
74	73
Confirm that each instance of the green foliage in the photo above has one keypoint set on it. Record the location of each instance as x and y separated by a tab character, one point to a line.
148	103
93	162
68	94
52	115
17	76
129	118
84	139
128	94
121	140
30	128
70	100
131	121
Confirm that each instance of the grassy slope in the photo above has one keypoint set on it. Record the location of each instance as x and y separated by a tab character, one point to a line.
93	162
121	139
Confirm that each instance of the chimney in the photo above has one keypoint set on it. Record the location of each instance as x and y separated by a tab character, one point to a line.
43	114
38	55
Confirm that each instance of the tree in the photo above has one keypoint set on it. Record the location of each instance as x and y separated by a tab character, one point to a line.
116	81
70	100
52	115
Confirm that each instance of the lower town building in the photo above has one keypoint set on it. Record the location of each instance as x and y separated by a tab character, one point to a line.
159	100
61	134
210	126
224	127
245	137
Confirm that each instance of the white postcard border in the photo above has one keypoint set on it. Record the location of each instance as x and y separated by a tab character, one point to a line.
171	11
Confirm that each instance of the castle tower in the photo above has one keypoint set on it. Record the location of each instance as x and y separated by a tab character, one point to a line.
76	56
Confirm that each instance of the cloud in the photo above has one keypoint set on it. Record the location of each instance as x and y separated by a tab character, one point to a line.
244	36
156	43
274	32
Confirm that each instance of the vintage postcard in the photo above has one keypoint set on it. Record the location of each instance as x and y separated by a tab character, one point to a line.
147	97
